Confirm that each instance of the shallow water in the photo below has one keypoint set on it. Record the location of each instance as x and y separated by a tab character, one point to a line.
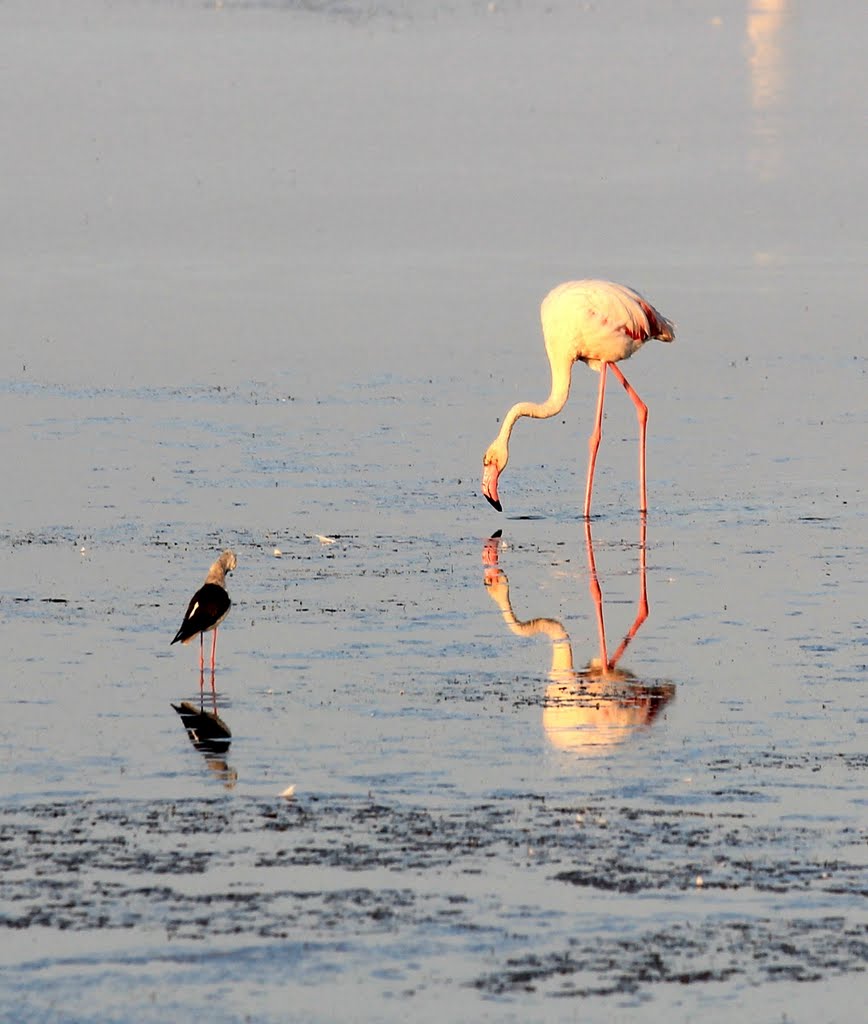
271	275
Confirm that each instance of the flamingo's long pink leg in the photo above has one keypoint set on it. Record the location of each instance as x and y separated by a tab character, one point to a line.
642	415
594	440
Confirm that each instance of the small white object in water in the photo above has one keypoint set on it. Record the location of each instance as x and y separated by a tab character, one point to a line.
289	792
324	540
278	553
699	882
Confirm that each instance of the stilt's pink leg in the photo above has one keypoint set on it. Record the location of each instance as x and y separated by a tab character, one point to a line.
201	669
597	595
594	440
642	415
213	658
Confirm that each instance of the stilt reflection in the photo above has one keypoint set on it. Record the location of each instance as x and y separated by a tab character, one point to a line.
593	709
210	735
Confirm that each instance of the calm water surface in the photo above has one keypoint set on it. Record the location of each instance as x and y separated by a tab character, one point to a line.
271	276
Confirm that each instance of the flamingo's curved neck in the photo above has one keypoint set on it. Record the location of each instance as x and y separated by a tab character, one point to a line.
560	392
562	648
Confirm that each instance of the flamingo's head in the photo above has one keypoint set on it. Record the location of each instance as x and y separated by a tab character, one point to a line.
493	463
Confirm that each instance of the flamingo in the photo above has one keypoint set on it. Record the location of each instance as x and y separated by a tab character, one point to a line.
208	607
598	323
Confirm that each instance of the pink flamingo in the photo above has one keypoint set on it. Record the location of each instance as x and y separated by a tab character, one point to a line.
598	323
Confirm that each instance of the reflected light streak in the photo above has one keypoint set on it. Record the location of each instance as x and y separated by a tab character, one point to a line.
765	20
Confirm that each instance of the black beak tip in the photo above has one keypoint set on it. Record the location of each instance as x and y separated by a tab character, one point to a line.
494	504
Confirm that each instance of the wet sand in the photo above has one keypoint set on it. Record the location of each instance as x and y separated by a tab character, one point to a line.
273	274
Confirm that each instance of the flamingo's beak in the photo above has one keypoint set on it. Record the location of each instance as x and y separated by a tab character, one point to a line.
490	474
491	549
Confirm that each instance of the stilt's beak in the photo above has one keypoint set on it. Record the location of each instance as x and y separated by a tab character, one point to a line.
490	474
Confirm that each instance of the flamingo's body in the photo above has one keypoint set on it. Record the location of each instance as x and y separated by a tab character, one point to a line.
208	607
594	322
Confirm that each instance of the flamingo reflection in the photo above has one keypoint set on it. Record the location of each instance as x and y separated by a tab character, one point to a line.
593	709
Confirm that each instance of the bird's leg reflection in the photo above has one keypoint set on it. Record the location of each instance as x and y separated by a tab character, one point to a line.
597	595
598	707
202	689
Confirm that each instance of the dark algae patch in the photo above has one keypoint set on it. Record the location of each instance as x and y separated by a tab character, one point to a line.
253	870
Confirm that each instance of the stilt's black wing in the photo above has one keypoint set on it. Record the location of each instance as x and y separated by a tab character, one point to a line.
208	606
